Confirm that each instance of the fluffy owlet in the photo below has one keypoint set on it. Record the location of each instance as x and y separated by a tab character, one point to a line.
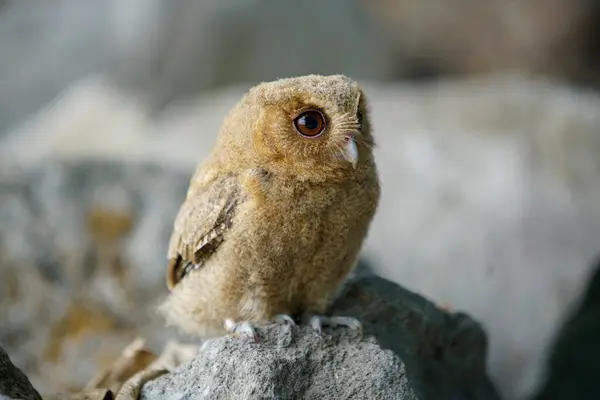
275	217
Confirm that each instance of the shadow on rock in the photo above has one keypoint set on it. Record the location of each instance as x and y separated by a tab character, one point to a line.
444	353
573	365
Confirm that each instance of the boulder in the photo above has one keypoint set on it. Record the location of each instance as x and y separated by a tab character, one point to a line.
287	364
14	384
445	353
82	264
573	367
409	348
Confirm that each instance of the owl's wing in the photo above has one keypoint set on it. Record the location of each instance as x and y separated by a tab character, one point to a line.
199	226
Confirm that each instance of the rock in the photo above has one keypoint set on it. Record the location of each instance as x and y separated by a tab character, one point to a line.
490	204
287	365
445	353
13	382
408	344
573	367
82	264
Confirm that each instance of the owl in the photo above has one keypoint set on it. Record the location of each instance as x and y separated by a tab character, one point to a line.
275	217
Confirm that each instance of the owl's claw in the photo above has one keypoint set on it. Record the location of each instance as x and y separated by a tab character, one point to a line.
316	322
242	329
285	319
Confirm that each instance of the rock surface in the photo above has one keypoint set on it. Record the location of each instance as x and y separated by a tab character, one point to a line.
573	365
491	204
82	264
444	355
13	382
287	364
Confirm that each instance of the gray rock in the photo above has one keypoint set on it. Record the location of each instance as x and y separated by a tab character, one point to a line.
573	366
443	354
287	364
13	382
45	214
57	266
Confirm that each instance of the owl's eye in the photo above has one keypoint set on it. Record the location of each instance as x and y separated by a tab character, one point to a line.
310	123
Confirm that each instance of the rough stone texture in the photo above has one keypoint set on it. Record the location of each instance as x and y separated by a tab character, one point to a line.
491	201
444	353
287	364
13	382
573	365
81	264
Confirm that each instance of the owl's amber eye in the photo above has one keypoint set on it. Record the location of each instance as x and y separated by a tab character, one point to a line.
310	123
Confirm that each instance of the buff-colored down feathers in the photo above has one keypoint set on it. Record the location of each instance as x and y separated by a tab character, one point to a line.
274	220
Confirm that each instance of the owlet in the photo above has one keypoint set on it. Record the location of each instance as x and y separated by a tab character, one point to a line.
275	217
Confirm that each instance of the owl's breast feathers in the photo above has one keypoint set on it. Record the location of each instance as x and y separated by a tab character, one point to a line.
209	211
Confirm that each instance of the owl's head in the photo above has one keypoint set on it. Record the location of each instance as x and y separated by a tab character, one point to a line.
313	126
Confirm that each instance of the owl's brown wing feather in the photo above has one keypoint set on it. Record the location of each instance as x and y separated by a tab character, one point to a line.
199	226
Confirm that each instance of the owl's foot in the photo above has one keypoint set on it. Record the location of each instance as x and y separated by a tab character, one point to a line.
316	322
247	330
285	320
243	329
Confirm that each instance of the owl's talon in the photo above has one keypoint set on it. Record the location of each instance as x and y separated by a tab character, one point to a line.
348	322
316	322
243	329
285	319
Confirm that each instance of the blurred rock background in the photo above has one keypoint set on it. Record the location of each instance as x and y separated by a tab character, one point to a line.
486	115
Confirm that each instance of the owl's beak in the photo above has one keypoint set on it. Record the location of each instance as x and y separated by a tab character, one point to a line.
351	150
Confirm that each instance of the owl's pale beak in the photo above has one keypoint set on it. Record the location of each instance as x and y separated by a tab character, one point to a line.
351	151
